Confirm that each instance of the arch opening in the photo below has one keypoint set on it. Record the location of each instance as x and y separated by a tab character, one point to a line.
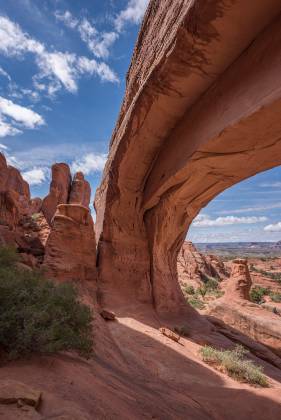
240	225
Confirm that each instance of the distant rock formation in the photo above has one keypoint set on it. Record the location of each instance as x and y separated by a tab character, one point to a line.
235	310
194	267
239	283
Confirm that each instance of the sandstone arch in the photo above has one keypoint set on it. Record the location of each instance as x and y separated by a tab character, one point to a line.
201	112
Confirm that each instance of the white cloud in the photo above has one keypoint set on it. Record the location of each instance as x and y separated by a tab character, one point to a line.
85	65
271	185
273	228
35	176
206	221
133	13
251	209
4	74
20	114
99	43
67	18
6	129
59	68
89	163
14	41
77	155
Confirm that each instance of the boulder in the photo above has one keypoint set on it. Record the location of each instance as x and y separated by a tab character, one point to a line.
70	252
80	190
170	334
13	392
59	190
107	315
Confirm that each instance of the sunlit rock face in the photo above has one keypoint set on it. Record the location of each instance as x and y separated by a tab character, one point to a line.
194	268
192	123
70	252
239	283
235	310
14	195
59	190
80	190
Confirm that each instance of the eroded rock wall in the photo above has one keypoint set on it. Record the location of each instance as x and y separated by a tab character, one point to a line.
192	124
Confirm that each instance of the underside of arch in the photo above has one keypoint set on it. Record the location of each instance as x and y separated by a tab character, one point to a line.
201	113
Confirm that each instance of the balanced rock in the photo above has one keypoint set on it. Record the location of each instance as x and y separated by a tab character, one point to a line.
71	247
59	190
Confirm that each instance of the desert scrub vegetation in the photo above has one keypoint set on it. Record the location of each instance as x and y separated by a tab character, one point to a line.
196	297
234	364
273	276
257	294
189	290
193	297
195	302
37	315
275	297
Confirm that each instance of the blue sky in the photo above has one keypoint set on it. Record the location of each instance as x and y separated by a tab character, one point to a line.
62	78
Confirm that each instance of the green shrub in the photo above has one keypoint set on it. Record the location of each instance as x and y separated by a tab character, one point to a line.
202	291
275	297
8	257
37	315
216	293
257	293
196	303
189	290
210	287
233	363
272	276
212	284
